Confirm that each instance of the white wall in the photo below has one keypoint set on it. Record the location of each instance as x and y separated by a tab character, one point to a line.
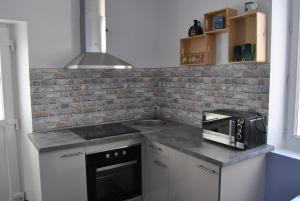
176	17
53	28
30	179
279	56
27	156
54	36
143	32
133	31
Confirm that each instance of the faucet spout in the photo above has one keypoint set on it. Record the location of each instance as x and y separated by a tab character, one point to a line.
155	112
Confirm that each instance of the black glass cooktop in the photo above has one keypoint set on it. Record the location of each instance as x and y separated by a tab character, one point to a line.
106	130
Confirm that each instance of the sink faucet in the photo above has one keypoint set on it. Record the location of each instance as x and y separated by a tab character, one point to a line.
155	112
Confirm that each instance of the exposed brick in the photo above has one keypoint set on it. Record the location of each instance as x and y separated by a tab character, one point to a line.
62	75
64	105
76	93
39	114
49	82
63	99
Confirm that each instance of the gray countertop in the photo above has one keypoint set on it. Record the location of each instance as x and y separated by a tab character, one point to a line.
178	136
64	138
188	139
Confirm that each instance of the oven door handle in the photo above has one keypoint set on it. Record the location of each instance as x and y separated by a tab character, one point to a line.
116	166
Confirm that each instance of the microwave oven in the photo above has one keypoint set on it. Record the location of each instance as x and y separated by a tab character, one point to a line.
238	129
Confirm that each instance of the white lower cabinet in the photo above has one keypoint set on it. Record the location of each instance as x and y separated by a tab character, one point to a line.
171	175
203	181
179	189
158	178
168	175
63	175
155	176
177	177
192	179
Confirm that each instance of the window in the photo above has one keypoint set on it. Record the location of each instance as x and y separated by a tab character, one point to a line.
1	90
4	61
292	131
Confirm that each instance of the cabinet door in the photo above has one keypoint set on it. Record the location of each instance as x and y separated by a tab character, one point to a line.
203	181
155	177
192	179
179	183
63	175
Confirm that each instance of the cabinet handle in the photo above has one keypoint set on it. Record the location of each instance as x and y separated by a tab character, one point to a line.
71	155
207	169
155	147
160	164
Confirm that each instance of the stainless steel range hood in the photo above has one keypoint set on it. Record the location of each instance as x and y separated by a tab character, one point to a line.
93	39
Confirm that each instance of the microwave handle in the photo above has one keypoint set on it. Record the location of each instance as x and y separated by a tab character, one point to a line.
206	121
231	132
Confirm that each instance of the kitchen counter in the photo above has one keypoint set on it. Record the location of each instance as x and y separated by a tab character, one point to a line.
184	138
64	138
188	139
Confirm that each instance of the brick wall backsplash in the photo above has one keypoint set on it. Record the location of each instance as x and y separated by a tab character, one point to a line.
186	92
63	99
69	98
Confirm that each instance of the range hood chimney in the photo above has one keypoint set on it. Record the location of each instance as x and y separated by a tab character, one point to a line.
93	39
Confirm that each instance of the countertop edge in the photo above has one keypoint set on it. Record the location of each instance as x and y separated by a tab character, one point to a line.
94	141
268	148
257	151
53	148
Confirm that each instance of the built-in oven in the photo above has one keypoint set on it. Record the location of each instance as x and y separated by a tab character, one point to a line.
114	175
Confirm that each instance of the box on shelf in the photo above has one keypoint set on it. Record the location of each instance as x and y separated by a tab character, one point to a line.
198	50
217	21
247	32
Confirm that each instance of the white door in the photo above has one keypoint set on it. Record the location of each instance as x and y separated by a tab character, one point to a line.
192	179
179	189
159	178
9	167
203	181
4	182
155	172
63	175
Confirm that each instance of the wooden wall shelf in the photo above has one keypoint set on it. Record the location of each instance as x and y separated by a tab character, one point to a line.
248	29
198	50
246	62
208	20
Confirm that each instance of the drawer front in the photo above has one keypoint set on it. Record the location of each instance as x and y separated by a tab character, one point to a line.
106	146
204	166
157	148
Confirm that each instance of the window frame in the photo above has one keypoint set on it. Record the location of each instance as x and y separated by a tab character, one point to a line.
292	139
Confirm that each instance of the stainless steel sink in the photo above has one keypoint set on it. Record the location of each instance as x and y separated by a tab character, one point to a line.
150	123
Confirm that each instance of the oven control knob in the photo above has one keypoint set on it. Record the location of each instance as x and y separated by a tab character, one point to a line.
238	136
124	153
107	156
240	121
116	154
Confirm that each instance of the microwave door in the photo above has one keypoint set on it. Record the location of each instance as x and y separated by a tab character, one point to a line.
223	126
221	130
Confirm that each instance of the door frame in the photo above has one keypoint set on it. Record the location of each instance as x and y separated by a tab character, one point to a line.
9	123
